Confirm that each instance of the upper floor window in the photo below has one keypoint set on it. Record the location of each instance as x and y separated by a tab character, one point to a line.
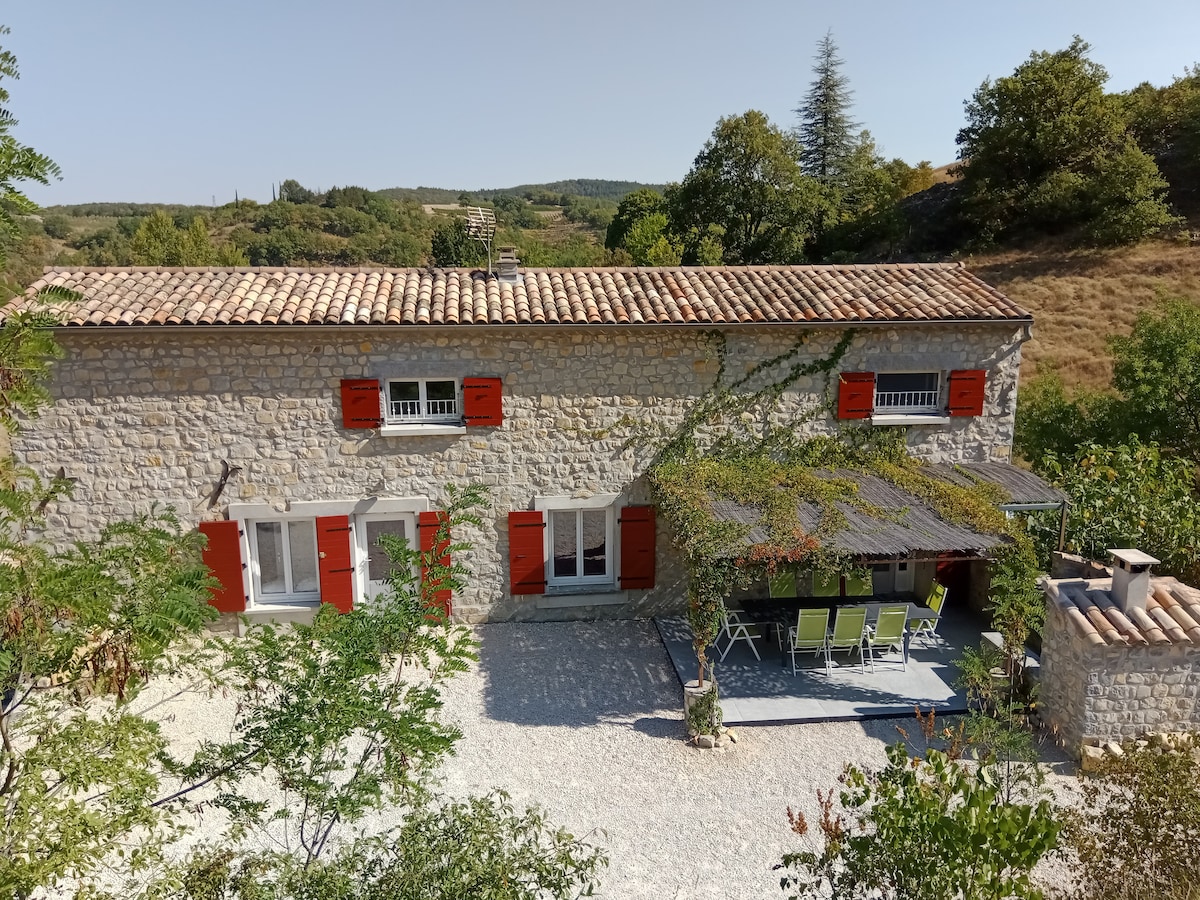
423	400
903	393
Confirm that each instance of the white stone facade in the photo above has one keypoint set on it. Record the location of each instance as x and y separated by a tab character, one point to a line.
149	414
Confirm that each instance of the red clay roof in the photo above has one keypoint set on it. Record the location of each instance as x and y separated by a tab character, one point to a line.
616	296
1171	616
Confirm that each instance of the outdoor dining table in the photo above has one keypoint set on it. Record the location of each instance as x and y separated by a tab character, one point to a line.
781	612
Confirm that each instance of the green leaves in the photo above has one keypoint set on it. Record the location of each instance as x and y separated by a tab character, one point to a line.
931	827
1045	150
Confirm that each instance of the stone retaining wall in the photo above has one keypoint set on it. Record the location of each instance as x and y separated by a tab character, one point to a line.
145	415
1114	692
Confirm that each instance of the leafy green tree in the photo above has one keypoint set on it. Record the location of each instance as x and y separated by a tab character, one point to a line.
1157	370
18	163
746	189
1127	495
57	227
83	629
291	191
828	136
480	847
160	242
1051	421
450	245
1045	150
633	207
1166	123
649	244
930	827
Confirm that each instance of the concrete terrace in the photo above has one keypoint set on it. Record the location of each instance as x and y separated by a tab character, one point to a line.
765	692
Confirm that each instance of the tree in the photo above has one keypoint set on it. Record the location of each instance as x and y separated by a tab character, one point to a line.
479	847
18	162
747	190
160	242
827	134
649	243
452	246
633	207
930	827
1045	150
1157	370
1127	495
83	629
291	191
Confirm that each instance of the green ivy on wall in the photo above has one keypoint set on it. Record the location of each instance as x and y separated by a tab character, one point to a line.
727	449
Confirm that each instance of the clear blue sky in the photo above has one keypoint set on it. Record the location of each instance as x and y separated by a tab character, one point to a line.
181	100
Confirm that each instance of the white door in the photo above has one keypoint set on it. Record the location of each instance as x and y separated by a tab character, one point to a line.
373	563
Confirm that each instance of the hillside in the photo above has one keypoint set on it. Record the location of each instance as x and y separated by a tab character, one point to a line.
1078	298
592	188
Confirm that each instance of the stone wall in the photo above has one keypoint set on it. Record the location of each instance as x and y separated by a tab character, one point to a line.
1106	692
143	415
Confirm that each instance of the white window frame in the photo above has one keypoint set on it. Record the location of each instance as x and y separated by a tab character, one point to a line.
424	417
608	503
362	549
916	409
257	596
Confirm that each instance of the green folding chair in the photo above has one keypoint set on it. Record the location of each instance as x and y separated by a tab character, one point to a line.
859	586
927	627
827	585
848	627
888	632
809	633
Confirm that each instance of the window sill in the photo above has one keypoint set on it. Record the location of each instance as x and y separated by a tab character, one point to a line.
563	598
911	419
430	429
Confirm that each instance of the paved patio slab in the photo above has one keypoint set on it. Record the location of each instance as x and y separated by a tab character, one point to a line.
765	692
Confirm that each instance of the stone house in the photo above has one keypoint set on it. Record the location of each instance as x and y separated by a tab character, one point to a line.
1120	652
342	403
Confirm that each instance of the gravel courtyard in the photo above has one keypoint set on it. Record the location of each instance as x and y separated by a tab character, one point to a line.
585	719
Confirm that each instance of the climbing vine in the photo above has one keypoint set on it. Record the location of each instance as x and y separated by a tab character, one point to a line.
731	449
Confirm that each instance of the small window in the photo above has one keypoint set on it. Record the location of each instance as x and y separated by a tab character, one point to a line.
423	400
284	554
581	543
901	393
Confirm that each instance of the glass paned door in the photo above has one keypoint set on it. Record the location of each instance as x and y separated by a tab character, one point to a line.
373	562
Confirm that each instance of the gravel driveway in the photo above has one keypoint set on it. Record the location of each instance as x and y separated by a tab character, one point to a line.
585	719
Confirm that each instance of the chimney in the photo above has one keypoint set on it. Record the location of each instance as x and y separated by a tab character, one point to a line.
508	265
1131	578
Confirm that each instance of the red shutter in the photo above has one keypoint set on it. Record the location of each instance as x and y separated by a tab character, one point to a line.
481	401
333	562
967	388
527	552
637	548
856	395
360	403
223	556
428	524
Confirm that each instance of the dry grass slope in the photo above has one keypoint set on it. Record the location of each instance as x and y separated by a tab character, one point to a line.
1078	298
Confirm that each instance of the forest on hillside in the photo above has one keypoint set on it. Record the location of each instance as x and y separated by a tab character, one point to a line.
1046	154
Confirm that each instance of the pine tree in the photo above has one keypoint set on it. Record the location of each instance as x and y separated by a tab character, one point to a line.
827	134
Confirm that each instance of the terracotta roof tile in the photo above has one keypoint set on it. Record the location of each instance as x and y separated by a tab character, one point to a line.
620	296
1171	616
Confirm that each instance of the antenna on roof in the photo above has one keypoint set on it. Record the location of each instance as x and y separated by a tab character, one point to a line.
481	226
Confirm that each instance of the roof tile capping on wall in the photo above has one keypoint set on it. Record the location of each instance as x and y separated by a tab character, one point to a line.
1114	673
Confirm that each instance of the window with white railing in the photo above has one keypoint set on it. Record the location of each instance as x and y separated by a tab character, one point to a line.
905	393
418	400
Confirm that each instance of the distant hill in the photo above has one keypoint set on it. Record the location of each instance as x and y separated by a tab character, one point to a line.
597	188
